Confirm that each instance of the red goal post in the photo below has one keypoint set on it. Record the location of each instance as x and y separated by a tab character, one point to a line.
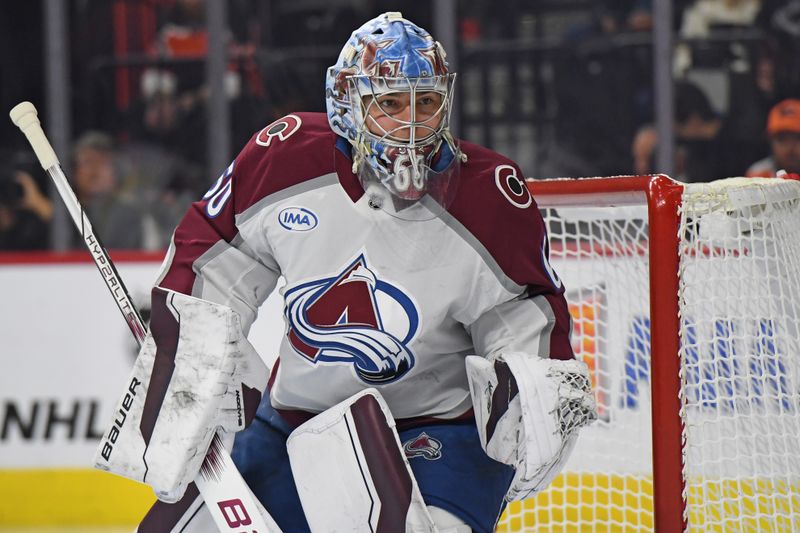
683	299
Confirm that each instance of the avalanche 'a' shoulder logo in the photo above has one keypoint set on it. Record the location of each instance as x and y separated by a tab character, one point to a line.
354	318
281	129
512	186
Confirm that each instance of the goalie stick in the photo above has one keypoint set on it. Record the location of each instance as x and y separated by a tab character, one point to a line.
227	496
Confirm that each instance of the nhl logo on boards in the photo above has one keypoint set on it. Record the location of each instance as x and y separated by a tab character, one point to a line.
297	219
423	446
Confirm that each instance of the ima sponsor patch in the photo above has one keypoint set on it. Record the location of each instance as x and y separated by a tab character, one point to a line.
297	219
423	446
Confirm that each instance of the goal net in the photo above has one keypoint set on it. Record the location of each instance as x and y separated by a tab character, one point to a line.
686	308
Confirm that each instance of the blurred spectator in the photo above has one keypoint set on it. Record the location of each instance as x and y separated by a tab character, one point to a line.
167	117
25	210
751	94
160	107
706	148
165	187
100	184
165	154
783	18
643	150
783	129
172	106
597	114
617	16
609	17
182	31
700	17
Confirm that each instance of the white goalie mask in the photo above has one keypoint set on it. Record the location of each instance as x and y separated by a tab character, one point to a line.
390	95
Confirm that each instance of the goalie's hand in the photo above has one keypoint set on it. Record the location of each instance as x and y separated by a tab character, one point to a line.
528	411
195	374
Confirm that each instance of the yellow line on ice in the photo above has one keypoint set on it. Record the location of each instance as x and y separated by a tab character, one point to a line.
70	497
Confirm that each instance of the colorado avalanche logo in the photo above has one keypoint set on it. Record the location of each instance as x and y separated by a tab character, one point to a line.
423	446
354	318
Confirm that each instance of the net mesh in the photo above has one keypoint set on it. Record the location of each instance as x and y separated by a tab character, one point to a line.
740	355
739	297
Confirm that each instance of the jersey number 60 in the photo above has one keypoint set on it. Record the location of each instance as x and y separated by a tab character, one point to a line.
219	193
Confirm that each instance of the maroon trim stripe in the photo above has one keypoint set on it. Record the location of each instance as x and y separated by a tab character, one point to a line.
296	417
165	329
251	397
560	344
502	396
385	463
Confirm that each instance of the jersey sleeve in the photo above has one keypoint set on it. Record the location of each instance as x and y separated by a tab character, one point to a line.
537	325
208	258
531	314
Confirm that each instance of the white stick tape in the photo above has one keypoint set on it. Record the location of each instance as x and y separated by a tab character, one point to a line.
25	117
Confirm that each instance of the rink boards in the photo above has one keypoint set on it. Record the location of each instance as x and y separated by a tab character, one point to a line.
66	355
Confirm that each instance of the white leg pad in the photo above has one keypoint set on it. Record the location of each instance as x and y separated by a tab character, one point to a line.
351	472
190	515
447	522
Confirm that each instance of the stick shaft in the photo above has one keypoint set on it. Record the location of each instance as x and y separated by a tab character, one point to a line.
26	118
100	255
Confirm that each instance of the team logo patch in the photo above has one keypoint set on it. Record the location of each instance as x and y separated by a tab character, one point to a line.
512	186
354	318
281	129
423	446
297	219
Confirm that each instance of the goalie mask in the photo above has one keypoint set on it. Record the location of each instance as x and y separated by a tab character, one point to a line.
390	94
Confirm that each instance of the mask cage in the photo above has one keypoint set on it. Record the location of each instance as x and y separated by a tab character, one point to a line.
365	92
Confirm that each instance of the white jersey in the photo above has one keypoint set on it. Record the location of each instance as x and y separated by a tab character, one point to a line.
371	300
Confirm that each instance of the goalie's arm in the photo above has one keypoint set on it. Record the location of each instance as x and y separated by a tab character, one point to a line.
209	259
521	336
195	374
196	368
529	394
538	325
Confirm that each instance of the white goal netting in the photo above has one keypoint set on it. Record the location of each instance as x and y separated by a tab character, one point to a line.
738	245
